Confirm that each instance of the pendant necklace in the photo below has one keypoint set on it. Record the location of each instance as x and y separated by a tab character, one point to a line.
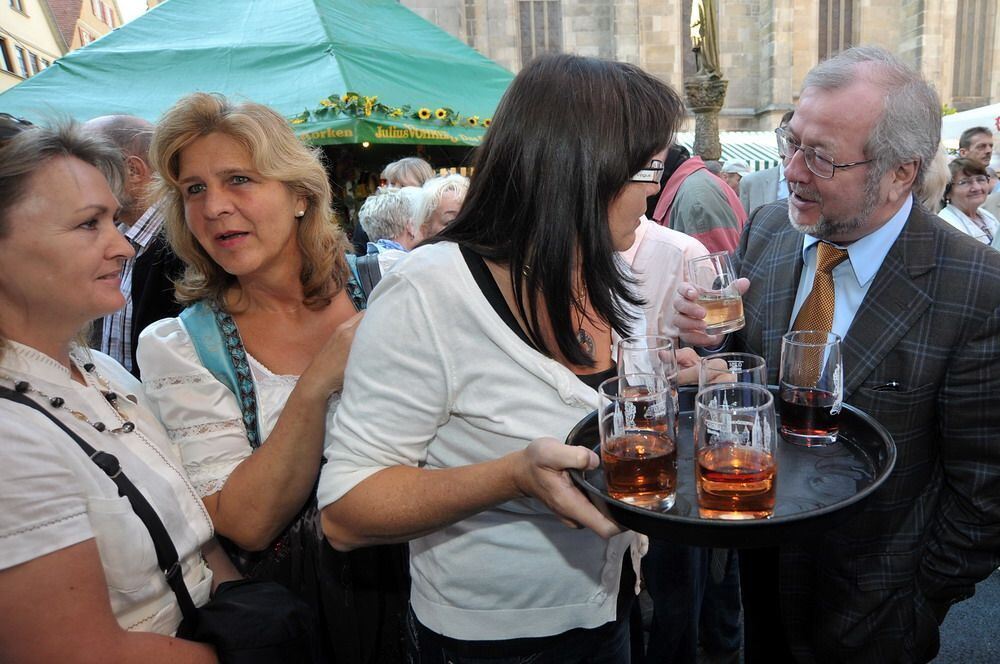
583	337
58	403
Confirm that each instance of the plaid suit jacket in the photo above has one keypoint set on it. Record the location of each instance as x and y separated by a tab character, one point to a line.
875	588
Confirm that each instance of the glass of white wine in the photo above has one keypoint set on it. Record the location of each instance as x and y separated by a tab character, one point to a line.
714	278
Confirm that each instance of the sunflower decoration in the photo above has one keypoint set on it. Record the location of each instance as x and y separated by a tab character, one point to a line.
424	114
441	113
301	118
472	120
487	122
369	105
349	97
396	113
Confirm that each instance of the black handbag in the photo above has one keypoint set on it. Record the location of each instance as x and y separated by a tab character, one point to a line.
247	621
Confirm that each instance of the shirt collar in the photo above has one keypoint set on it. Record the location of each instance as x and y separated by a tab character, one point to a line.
23	360
866	255
385	243
145	228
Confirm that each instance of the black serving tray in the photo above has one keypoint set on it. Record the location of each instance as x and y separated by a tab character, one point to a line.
818	487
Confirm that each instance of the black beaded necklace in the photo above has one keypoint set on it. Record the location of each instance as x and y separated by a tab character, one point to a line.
58	403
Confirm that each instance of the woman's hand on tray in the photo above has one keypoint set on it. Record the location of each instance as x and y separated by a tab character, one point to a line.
541	474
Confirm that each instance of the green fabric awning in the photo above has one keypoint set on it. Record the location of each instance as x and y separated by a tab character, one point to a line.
293	55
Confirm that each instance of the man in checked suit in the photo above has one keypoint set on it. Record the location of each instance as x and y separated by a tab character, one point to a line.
918	308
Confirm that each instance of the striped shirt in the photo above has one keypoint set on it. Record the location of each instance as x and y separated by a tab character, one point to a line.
116	337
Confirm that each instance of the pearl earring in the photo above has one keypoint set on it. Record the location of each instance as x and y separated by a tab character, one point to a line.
300	214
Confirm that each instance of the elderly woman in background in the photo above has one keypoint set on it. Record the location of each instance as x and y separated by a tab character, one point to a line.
450	435
78	572
244	379
964	196
442	203
390	218
405	172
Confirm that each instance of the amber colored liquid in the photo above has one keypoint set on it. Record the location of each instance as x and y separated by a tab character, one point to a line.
806	416
641	468
735	482
723	313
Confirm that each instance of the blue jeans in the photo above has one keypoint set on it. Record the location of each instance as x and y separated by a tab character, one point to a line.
608	644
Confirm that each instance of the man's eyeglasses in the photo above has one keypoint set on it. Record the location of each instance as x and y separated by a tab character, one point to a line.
11	126
819	164
652	173
977	179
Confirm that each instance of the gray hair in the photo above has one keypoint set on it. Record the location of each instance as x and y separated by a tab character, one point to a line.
909	127
131	134
437	187
32	149
936	180
411	169
388	214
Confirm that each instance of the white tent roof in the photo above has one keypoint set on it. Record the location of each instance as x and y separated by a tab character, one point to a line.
757	148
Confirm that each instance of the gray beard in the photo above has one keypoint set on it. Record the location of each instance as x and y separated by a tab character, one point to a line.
827	228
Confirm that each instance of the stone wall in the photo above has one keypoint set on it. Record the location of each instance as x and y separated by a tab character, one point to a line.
766	46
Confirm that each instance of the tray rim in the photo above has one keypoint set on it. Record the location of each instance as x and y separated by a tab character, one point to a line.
788	521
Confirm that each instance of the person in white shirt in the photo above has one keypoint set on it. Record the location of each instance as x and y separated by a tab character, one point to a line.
965	195
78	568
481	352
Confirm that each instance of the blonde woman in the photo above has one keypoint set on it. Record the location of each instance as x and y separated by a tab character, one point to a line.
244	379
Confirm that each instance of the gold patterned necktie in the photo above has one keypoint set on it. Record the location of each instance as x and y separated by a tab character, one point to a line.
817	311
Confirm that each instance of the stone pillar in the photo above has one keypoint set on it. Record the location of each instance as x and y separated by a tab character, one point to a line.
705	95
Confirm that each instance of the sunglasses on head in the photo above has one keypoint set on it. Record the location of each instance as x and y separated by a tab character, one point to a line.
11	126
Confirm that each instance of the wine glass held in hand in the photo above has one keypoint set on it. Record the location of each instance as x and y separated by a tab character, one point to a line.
734	438
638	421
732	368
714	278
811	387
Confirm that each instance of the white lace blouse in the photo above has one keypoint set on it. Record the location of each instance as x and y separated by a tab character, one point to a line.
202	416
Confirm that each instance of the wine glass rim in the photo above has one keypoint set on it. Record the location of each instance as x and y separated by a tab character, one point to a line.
620	377
718	387
668	343
792	338
714	254
760	361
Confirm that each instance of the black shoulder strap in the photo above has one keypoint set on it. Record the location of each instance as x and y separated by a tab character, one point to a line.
166	553
369	272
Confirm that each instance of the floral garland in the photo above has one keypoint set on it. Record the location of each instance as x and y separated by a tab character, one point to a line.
358	106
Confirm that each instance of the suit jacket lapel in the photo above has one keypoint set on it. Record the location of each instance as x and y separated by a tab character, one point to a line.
786	275
892	305
773	267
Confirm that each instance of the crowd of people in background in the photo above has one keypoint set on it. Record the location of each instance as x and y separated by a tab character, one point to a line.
376	422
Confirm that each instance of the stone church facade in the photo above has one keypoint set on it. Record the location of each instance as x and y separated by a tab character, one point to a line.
766	46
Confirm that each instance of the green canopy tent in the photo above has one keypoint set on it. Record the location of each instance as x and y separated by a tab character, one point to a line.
342	71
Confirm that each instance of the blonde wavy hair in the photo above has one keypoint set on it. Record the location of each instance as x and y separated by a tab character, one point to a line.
277	154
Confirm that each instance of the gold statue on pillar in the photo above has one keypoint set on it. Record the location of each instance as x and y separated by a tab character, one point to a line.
705	38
